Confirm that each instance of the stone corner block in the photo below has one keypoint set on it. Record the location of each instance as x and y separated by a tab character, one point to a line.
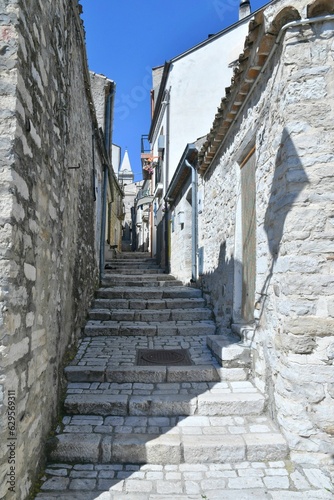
266	446
81	448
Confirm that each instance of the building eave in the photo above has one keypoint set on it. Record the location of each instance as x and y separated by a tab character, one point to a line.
259	45
182	171
211	39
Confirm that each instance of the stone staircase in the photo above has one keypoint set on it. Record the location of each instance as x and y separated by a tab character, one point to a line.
121	409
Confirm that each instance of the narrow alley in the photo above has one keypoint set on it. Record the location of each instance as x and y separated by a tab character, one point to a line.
167	285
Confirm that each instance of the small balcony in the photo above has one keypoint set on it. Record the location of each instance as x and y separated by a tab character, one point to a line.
144	197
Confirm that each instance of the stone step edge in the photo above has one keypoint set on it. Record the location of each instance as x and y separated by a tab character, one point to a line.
230	352
143	284
179	300
108	314
154	311
166	405
166	448
149	329
143	374
140	277
147	293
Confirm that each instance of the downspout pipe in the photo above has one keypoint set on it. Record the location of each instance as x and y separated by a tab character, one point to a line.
194	214
107	143
104	218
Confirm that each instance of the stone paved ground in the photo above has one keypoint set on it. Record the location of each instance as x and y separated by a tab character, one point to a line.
121	351
118	412
280	480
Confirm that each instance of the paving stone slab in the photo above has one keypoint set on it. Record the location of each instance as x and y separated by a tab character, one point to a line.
230	404
141	374
83	448
144	448
97	404
70	495
265	446
213	449
84	374
223	480
201	373
164	405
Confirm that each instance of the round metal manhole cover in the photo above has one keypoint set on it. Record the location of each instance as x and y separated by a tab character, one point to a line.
163	357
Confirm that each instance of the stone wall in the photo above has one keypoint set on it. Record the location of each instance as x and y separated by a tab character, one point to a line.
48	260
288	117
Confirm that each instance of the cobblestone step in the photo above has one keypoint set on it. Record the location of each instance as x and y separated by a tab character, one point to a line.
158	304
114	359
145	256
149	328
153	281
187	446
138	278
163	405
137	271
181	425
152	292
128	263
148	315
245	480
142	374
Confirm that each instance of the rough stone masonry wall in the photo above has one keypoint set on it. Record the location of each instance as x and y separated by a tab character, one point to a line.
289	118
48	269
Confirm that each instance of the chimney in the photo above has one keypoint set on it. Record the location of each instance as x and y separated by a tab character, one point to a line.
244	9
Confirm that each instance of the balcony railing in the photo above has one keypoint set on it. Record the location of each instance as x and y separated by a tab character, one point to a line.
145	145
142	193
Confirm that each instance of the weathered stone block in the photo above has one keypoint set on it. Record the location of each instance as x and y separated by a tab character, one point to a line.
84	374
199	373
230	404
213	449
96	404
266	446
310	326
163	405
139	448
81	448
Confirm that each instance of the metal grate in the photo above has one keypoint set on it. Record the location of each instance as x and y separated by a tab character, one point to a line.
165	357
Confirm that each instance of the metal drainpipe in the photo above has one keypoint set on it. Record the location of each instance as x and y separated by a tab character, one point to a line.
93	161
103	221
292	24
167	266
194	240
105	184
167	99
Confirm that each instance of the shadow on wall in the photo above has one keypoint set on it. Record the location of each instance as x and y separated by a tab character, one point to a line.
217	287
288	182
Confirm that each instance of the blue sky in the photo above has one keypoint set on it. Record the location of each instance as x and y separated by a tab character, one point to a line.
127	38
